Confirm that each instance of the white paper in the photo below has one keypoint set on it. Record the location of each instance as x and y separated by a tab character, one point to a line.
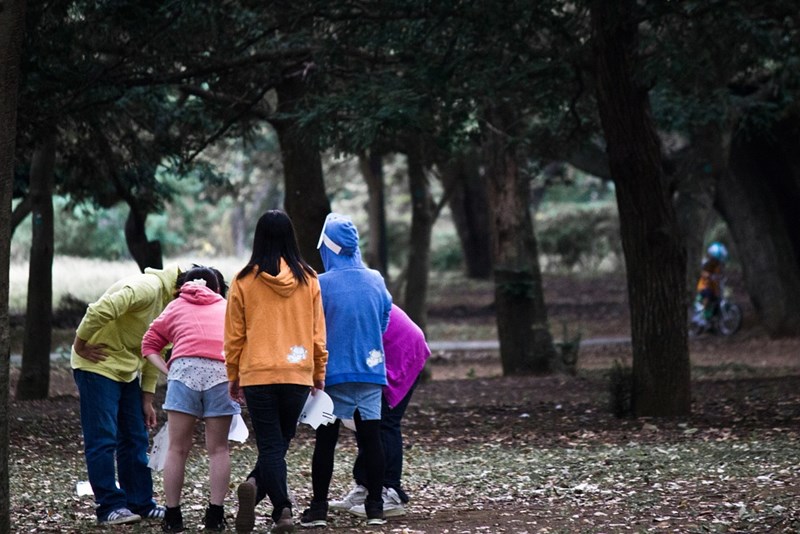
349	424
158	453
83	488
318	410
238	431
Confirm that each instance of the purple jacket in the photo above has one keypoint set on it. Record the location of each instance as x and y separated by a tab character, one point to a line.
406	352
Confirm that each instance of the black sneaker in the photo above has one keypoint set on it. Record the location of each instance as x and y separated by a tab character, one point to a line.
215	518
316	515
374	511
173	520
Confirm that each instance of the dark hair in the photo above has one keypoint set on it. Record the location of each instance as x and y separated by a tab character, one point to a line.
214	279
275	239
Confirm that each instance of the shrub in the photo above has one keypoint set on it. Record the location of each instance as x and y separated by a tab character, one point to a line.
580	237
620	389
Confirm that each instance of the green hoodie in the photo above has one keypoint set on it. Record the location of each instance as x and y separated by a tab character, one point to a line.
119	319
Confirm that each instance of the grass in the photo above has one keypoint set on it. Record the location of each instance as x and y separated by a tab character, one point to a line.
87	279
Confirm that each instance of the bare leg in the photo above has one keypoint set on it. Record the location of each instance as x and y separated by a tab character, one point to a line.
181	433
219	458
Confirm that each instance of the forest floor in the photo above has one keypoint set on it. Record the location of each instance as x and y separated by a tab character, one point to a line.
486	453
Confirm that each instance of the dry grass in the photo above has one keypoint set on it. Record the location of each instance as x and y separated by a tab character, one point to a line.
86	278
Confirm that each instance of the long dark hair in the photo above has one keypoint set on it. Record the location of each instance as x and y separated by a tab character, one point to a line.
275	239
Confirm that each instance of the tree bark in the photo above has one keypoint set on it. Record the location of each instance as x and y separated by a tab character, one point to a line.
12	25
305	201
146	253
419	246
371	165
655	258
758	199
526	345
469	206
34	379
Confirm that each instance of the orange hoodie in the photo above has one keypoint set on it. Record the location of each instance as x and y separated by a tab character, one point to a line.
275	330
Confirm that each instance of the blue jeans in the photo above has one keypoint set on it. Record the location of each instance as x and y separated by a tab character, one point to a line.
274	410
115	443
392	438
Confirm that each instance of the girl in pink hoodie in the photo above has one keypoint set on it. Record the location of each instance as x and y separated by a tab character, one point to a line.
197	387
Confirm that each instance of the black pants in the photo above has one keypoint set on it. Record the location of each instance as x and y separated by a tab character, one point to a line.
370	445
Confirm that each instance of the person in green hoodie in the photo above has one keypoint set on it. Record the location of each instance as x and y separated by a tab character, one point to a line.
116	387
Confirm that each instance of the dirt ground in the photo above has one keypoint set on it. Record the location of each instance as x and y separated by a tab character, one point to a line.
744	386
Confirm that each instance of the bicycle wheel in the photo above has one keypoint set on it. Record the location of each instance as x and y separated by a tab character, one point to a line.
730	318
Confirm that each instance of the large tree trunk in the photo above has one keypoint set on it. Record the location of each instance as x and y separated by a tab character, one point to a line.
146	253
758	199
655	258
34	380
469	206
526	345
371	165
305	201
12	24
419	246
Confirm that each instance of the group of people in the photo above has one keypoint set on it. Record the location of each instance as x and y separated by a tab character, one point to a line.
283	332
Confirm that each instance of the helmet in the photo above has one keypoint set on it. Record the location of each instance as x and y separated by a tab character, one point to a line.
718	252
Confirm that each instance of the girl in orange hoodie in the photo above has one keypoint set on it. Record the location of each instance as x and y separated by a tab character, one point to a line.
274	353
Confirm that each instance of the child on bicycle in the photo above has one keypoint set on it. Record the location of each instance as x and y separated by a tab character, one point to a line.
708	287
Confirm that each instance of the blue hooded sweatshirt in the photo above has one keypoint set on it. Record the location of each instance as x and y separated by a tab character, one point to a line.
356	304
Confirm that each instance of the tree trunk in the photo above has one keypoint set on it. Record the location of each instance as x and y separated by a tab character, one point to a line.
305	201
371	165
526	345
34	379
12	24
419	246
655	259
469	207
145	253
758	199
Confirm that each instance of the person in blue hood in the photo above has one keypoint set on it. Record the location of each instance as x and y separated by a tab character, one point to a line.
357	307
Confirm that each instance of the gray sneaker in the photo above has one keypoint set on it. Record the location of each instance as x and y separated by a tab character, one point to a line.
120	516
356	497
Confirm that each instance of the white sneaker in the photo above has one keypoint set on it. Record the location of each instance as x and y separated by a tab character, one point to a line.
392	505
356	497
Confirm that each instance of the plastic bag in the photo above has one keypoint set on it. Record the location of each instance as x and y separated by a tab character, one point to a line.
238	431
158	453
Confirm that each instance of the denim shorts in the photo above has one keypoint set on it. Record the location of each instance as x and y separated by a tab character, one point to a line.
349	396
214	402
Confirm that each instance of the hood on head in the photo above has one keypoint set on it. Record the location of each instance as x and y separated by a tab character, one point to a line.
338	242
168	277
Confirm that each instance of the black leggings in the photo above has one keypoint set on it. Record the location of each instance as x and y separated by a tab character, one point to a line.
368	436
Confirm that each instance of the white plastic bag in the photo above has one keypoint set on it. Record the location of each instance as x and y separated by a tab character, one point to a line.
238	431
158	453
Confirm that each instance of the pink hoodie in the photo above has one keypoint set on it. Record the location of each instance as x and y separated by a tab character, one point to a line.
194	323
406	352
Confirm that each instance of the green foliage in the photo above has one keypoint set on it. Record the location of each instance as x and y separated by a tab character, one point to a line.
579	235
447	255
